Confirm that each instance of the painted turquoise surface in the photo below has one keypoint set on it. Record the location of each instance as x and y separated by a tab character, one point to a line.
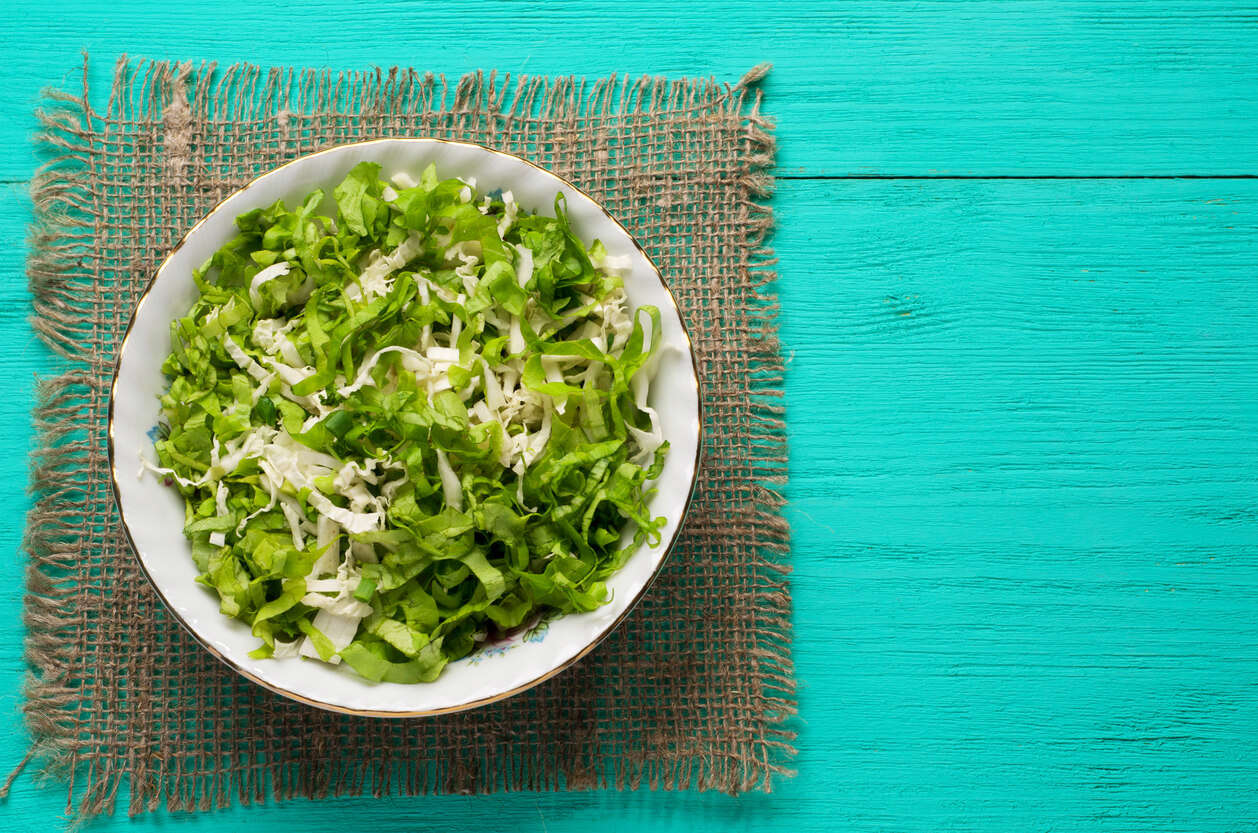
1023	412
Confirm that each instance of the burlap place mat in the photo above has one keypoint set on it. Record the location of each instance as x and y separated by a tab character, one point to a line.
693	690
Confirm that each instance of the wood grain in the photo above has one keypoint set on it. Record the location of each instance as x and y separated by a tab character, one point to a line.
1023	442
979	87
1023	414
1026	509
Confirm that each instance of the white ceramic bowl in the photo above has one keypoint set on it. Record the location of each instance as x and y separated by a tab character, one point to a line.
152	514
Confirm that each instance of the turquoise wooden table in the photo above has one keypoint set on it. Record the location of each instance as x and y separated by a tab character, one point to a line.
1019	260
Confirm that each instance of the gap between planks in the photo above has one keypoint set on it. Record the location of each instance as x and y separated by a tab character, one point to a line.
822	177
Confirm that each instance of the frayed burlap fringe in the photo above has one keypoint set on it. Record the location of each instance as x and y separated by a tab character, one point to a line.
60	278
110	668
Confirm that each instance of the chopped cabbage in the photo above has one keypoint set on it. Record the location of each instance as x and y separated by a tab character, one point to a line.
409	428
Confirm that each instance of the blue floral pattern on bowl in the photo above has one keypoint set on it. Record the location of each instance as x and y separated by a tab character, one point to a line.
535	633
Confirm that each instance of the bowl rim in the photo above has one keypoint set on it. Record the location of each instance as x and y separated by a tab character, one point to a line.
471	704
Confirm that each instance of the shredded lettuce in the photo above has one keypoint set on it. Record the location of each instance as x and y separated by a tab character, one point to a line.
410	428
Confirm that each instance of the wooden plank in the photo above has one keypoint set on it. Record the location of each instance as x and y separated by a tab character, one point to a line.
1023	421
1024	424
980	87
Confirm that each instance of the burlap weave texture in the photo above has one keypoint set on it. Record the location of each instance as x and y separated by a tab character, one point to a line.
691	691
